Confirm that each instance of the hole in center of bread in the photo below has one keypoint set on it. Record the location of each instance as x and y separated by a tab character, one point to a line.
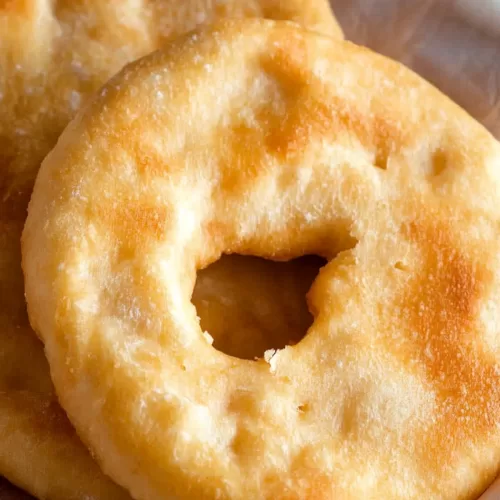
249	305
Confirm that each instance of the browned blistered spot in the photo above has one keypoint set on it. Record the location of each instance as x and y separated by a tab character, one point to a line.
286	131
150	163
287	61
147	165
305	121
244	158
16	6
144	219
134	220
310	119
439	162
303	484
440	307
215	232
243	402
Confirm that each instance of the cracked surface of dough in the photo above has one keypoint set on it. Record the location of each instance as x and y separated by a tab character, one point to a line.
261	139
53	55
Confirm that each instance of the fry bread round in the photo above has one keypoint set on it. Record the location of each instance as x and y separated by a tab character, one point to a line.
262	139
53	55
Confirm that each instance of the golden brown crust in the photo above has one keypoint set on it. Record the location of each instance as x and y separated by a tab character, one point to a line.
271	141
39	450
53	55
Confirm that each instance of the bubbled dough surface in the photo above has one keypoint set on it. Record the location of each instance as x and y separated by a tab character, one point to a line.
53	54
261	139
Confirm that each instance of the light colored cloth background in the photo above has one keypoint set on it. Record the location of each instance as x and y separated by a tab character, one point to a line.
455	44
